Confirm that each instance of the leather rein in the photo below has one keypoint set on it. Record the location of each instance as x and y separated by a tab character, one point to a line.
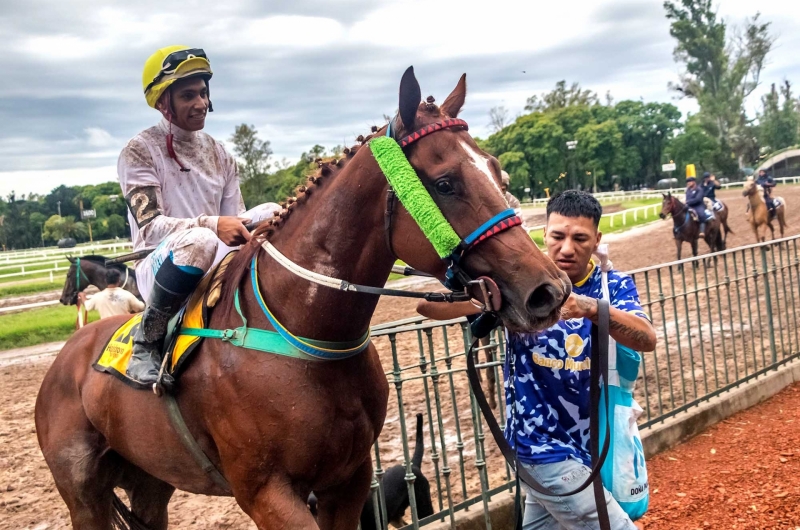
457	280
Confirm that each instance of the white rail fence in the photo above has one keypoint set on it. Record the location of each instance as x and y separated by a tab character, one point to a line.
11	256
612	196
45	264
620	218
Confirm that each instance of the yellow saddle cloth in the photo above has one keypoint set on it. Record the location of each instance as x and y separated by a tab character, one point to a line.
117	353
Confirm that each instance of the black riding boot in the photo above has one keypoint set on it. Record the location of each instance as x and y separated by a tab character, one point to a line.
171	288
702	229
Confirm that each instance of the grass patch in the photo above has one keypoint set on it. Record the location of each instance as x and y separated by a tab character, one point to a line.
605	223
37	326
641	202
28	288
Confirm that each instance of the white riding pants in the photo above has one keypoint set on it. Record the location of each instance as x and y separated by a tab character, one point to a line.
198	248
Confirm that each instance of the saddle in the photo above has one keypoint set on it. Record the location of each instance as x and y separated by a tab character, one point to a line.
178	349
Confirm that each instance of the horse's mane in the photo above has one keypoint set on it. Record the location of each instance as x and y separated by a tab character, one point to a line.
101	260
326	169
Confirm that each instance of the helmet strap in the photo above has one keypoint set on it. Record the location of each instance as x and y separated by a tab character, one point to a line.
170	137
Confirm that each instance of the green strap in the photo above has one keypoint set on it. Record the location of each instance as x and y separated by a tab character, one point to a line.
250	338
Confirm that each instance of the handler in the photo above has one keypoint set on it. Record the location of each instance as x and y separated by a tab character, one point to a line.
550	430
182	190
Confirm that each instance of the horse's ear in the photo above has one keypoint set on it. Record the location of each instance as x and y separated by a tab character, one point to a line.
452	105
70	259
410	96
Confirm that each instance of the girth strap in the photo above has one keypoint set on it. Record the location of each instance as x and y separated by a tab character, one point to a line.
191	445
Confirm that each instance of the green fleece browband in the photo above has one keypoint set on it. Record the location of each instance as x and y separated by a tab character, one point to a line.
413	195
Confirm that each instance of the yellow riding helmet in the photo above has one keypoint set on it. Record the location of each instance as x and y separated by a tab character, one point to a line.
169	64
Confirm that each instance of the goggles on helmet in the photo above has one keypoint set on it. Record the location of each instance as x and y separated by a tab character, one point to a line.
175	59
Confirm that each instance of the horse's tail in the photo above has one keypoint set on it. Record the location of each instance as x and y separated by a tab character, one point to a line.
419	449
122	518
727	228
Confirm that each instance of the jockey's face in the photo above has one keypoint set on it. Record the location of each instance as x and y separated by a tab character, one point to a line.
691	184
190	103
571	241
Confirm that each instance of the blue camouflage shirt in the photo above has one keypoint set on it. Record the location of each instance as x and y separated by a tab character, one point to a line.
551	374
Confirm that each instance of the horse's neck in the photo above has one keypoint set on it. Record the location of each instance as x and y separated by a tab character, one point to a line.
338	232
93	274
756	199
678	212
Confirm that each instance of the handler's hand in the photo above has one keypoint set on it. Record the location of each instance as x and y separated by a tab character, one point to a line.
231	230
579	306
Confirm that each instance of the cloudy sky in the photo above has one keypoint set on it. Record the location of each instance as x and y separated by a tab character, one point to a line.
308	72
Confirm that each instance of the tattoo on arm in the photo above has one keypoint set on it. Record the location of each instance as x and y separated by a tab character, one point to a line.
635	335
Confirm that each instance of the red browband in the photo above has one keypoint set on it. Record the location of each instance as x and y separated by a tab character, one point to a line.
503	225
428	129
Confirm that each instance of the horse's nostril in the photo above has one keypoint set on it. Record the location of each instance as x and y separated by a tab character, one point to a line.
544	299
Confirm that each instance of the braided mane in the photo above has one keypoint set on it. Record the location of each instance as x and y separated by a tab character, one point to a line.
327	168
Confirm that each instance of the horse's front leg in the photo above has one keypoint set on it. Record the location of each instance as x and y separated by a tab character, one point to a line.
277	505
339	508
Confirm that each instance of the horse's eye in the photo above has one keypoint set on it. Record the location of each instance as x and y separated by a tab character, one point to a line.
444	187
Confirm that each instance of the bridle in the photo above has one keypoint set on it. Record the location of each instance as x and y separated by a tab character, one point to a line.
456	278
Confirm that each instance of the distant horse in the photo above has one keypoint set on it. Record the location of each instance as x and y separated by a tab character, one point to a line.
722	215
93	272
758	215
277	427
687	228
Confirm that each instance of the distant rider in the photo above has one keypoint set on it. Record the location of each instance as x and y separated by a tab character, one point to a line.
710	186
694	200
182	189
766	181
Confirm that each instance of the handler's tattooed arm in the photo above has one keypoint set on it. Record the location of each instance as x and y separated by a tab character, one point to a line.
628	329
632	331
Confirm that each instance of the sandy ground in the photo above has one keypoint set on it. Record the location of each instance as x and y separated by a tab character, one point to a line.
28	499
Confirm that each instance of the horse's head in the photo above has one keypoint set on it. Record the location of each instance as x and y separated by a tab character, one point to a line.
666	205
464	182
750	187
69	296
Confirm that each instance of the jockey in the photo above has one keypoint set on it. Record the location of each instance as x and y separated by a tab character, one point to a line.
766	181
710	185
513	202
182	190
694	200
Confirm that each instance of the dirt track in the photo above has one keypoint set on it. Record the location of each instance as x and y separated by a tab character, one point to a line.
29	500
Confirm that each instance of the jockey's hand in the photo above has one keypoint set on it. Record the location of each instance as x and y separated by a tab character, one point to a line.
579	306
231	230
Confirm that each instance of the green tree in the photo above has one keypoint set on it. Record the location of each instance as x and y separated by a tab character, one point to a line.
560	98
779	124
693	146
599	150
116	225
720	71
253	152
57	227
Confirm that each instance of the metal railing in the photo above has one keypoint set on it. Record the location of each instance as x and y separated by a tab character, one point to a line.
721	319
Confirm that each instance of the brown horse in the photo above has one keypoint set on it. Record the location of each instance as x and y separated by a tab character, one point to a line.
758	215
722	215
687	228
276	427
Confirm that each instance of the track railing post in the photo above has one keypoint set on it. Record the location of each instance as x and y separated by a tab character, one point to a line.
768	296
